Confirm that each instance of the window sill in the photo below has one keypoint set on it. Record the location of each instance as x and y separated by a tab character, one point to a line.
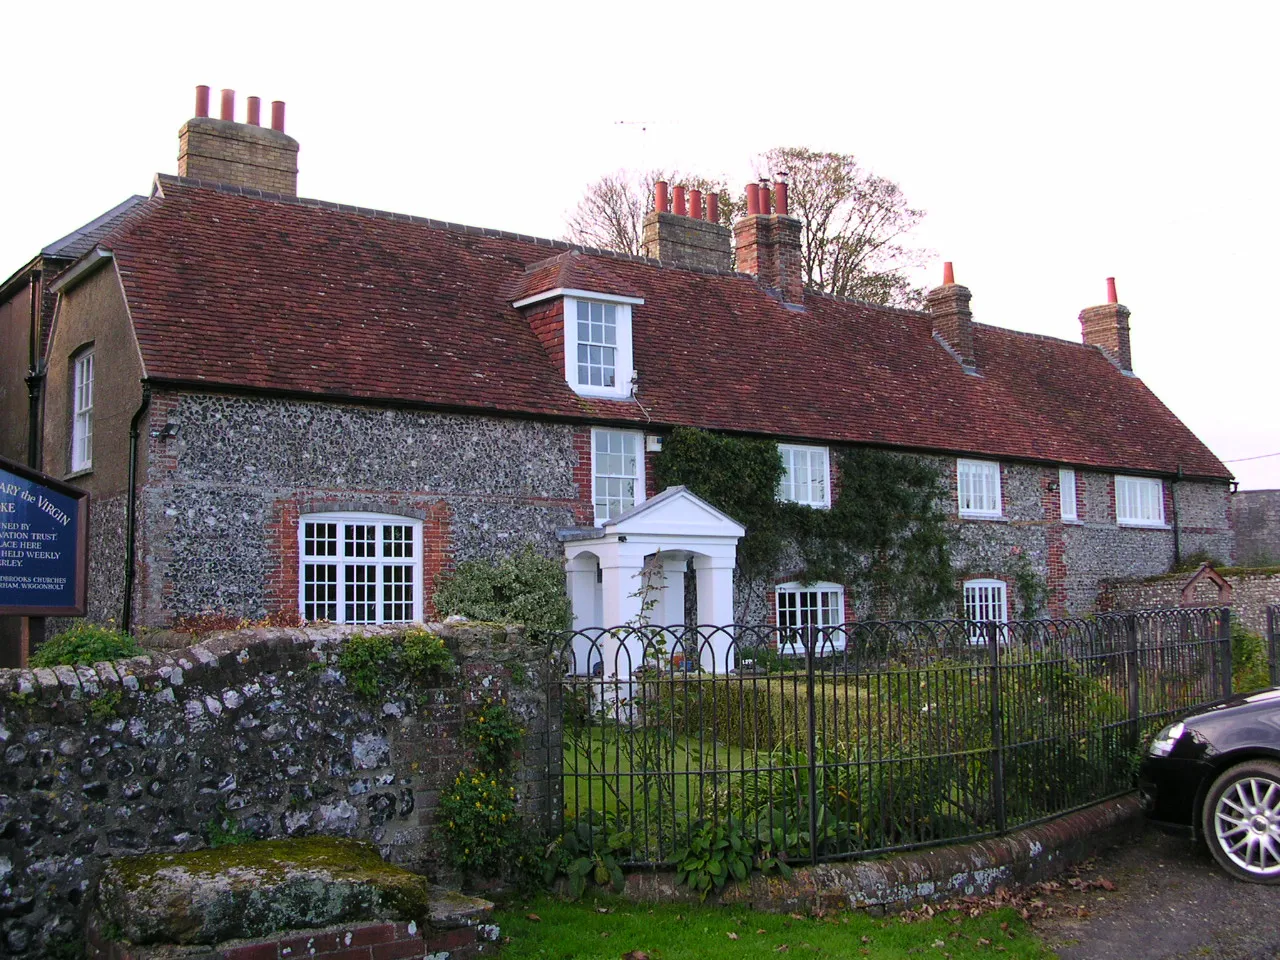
997	517
1132	525
1073	523
598	393
82	472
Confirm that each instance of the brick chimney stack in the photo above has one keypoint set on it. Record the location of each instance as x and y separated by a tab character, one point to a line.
241	154
952	318
1107	326
767	240
687	237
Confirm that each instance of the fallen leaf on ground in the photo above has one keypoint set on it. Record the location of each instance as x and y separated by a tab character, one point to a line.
731	935
635	955
534	917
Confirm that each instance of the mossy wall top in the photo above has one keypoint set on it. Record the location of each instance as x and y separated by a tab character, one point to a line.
260	726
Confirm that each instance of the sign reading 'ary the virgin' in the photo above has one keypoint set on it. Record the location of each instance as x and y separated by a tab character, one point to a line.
44	525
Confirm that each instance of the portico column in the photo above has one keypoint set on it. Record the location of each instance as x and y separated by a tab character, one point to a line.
715	608
580	576
671	604
621	573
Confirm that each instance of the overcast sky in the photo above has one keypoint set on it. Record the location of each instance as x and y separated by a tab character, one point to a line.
1052	145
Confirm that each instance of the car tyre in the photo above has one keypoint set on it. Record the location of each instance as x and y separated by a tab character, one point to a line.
1241	821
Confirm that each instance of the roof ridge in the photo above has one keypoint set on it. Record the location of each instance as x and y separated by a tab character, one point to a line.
119	210
564	246
1034	336
839	298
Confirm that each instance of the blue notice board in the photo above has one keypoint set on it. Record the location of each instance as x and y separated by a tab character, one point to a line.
44	557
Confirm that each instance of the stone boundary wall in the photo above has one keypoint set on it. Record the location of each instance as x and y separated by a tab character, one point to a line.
1255	516
258	725
1251	593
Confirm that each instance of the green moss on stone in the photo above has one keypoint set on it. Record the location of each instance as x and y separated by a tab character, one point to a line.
252	889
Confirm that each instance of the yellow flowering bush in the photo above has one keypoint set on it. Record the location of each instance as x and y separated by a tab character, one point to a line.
477	816
496	733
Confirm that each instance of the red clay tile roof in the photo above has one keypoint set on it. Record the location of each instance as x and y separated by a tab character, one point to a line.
567	271
230	289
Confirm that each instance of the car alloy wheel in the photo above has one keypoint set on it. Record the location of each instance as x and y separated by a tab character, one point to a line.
1241	820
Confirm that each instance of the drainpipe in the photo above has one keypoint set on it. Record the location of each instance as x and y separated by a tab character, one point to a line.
1177	531
35	375
131	510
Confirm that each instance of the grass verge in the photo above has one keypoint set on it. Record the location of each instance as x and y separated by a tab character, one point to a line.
609	929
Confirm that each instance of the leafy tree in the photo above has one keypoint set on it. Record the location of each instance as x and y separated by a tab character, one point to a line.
855	224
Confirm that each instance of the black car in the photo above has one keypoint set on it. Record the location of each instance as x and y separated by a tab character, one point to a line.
1217	771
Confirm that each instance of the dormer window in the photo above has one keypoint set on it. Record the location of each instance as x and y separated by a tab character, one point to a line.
586	330
597	344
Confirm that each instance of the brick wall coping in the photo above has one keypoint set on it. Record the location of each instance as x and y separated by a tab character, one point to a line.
1024	856
158	669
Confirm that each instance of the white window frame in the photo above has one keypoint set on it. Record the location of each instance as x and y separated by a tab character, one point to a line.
816	460
985	600
624	357
344	573
1129	495
1067	495
992	501
600	497
82	412
795	606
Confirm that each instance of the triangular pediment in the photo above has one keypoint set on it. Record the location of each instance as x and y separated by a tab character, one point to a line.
675	512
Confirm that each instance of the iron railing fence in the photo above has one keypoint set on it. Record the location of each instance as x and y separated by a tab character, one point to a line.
839	742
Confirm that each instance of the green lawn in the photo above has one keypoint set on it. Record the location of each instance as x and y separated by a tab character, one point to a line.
609	929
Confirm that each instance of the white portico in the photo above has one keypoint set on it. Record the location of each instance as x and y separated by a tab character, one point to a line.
672	532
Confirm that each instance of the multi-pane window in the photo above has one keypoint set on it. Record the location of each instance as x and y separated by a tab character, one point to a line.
1140	501
597	344
804	475
978	488
810	613
617	472
1067	493
82	413
985	601
360	568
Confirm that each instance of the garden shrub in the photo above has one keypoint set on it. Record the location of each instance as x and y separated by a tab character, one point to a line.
1250	663
84	645
525	588
370	662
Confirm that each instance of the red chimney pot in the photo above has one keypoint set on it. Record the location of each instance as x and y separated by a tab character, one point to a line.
277	115
1111	290
780	197
695	204
766	205
948	274
753	199
228	104
681	209
660	198
202	101
713	207
255	111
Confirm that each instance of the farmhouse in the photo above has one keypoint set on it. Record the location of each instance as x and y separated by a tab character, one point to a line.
281	403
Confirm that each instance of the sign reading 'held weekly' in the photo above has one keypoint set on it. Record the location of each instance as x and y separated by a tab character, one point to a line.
44	524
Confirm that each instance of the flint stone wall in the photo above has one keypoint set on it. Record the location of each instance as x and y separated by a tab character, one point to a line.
219	506
1255	514
139	756
1251	594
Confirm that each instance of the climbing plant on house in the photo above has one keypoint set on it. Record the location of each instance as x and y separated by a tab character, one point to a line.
885	536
